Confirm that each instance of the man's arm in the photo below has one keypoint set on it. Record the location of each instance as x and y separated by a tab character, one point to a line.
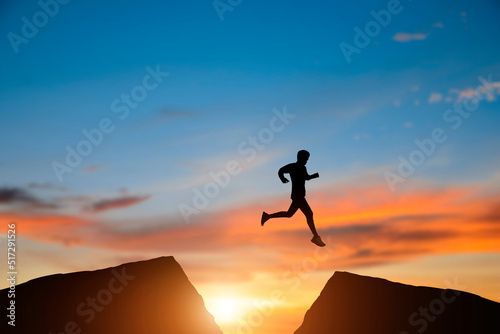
282	171
313	176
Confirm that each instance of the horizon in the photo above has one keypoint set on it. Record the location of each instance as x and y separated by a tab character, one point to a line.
132	131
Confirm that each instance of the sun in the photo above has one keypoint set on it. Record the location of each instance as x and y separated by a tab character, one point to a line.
225	309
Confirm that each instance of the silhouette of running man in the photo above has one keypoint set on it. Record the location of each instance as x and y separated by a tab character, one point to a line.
298	174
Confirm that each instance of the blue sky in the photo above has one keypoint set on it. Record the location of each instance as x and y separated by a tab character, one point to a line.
225	78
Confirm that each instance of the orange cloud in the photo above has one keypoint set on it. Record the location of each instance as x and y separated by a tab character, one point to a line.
363	226
51	228
366	226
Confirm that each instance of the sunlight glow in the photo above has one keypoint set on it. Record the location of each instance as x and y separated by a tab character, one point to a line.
225	309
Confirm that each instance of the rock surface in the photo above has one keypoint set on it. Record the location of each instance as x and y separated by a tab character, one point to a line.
153	296
353	304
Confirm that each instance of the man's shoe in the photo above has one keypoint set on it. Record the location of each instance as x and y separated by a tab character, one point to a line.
317	241
264	218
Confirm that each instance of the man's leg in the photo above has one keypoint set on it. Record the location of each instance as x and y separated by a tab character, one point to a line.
306	209
281	214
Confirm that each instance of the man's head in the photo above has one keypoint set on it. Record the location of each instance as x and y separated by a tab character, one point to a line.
302	157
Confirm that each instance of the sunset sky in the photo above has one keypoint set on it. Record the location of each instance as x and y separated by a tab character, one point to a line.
132	130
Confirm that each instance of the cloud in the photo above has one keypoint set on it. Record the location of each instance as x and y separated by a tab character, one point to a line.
162	117
11	195
45	186
172	114
65	230
492	214
116	203
18	196
438	25
363	224
491	92
404	37
435	98
94	168
465	94
20	200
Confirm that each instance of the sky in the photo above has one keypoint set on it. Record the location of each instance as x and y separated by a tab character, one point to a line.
132	130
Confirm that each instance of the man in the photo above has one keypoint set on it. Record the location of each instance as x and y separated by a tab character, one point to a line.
298	174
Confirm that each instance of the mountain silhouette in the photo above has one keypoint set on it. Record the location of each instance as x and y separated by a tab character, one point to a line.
353	304
153	296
